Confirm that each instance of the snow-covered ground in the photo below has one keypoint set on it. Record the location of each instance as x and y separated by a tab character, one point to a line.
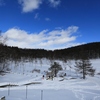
69	88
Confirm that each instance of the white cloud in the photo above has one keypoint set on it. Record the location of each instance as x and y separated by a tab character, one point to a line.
59	38
30	5
54	3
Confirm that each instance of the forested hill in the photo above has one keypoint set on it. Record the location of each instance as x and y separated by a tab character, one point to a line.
92	50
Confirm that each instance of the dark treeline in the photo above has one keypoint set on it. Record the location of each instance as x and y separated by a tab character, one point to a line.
91	50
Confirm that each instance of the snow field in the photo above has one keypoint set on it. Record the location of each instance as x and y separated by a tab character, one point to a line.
68	89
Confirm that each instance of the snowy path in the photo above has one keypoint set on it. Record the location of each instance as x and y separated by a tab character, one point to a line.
88	92
75	89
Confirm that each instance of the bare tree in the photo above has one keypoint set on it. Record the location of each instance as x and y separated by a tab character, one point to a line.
3	56
4	66
3	39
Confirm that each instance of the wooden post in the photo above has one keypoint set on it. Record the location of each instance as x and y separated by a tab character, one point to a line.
8	89
26	91
41	94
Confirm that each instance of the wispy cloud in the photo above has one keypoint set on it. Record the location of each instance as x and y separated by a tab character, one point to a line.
2	2
36	16
54	39
47	19
54	3
30	5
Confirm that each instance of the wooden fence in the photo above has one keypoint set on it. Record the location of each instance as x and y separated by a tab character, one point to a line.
3	98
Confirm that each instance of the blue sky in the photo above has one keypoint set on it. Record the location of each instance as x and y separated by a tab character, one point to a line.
50	24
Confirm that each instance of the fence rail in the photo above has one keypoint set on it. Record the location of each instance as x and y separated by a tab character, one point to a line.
3	98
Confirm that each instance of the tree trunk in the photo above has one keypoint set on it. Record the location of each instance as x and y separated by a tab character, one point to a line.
83	71
55	72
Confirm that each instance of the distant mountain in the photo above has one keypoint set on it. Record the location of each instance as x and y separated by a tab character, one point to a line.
91	50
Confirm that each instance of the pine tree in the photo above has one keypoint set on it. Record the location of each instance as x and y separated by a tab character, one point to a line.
84	67
55	67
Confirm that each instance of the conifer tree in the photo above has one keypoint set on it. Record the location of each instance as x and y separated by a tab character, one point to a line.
84	67
55	67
